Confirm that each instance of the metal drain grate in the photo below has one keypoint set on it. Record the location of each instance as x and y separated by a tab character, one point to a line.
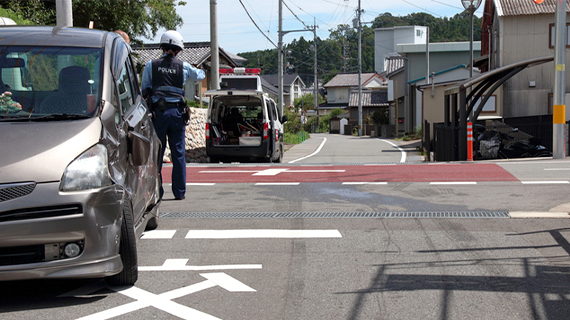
404	214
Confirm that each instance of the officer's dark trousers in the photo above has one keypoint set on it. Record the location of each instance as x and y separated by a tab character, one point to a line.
169	124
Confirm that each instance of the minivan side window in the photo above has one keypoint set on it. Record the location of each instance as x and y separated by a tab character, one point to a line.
126	88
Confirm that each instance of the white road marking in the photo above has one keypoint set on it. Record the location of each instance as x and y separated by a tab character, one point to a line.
361	183
180	265
163	301
200	184
158	234
453	183
223	280
556	169
277	183
546	214
312	154
316	171
545	182
261	233
403	159
270	172
229	171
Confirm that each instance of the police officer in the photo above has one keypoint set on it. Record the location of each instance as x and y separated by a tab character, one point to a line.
163	88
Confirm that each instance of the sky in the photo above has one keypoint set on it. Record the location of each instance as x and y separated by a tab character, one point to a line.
237	33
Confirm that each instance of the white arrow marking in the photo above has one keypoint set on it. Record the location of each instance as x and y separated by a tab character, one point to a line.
180	265
260	233
223	280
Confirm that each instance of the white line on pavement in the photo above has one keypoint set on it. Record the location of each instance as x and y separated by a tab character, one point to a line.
361	183
403	159
312	154
261	233
546	214
545	182
453	183
158	234
277	183
180	265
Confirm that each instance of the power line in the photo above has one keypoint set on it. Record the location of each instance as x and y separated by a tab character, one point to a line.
295	15
266	37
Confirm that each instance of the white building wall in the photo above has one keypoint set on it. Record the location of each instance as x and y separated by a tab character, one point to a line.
386	40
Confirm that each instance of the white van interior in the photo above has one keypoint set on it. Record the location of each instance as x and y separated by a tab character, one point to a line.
237	120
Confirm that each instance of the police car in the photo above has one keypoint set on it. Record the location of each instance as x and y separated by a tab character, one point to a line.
243	123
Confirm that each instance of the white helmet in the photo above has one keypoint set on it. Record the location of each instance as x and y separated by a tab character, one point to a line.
173	38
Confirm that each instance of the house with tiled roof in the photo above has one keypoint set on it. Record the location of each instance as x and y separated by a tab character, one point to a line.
292	86
341	88
196	54
518	30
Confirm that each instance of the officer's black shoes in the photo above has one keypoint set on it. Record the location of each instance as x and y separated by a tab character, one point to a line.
179	198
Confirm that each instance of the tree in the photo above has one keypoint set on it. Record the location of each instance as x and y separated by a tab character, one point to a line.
141	18
7	13
35	11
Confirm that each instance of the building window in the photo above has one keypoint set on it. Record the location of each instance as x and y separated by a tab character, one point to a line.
552	35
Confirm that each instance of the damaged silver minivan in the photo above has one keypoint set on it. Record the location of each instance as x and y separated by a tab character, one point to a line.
79	180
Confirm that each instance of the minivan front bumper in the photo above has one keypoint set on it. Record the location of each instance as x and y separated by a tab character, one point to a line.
36	228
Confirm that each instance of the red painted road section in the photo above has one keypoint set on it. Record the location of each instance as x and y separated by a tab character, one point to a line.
476	172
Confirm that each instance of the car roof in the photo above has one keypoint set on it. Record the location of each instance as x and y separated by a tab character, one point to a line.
53	36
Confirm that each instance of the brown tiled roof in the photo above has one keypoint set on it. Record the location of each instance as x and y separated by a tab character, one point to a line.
195	53
526	7
370	98
348	80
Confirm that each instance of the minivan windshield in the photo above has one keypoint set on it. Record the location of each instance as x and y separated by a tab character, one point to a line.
49	83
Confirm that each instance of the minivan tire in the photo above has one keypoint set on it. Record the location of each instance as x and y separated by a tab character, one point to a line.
128	252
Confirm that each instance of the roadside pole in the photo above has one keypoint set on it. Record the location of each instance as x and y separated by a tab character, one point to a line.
559	106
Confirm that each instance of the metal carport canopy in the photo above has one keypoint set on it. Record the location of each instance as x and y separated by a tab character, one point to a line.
487	79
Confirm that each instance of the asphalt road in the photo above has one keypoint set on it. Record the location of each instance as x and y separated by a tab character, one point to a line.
380	240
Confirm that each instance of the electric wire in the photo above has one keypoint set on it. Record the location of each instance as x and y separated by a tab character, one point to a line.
266	37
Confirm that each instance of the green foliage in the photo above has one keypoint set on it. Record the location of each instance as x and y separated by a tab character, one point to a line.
381	116
293	124
36	12
7	13
336	112
307	102
142	18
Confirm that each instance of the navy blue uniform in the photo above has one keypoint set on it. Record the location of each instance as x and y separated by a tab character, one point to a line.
166	76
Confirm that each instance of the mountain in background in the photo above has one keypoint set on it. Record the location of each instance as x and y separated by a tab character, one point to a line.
339	52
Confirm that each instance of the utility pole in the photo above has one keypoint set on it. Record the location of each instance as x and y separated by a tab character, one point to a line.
280	104
63	13
316	82
559	106
280	60
359	70
214	48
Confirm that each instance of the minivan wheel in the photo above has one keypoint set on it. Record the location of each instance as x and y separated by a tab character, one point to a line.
128	252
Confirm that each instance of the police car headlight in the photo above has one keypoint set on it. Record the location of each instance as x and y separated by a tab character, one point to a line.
88	171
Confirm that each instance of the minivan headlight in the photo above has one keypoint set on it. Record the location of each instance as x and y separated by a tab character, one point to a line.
88	171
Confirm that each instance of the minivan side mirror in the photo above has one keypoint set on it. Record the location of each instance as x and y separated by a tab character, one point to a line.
283	119
139	148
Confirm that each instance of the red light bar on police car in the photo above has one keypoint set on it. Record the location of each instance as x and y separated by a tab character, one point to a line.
240	71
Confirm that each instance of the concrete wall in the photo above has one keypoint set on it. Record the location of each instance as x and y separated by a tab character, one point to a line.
195	138
386	40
